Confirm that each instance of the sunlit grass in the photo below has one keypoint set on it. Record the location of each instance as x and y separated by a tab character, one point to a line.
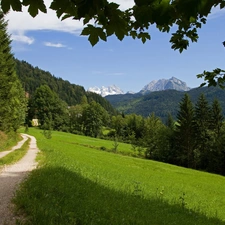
83	185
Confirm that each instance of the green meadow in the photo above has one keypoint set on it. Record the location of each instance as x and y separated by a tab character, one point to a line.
80	183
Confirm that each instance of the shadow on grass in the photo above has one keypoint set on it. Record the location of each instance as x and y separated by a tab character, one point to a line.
59	196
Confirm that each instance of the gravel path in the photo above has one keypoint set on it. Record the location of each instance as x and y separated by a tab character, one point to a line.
11	176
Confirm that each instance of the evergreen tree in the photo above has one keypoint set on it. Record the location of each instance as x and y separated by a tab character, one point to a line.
184	134
202	130
216	118
12	96
151	137
216	154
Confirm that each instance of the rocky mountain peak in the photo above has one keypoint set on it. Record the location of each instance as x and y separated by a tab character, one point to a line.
165	84
104	91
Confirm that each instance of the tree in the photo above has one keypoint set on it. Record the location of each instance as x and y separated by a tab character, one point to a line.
216	154
12	95
151	137
216	118
76	121
94	116
202	130
184	133
49	109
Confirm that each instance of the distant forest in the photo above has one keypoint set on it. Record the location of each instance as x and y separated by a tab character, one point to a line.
163	102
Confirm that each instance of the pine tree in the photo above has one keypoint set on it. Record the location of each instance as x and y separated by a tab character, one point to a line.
216	153
184	133
12	96
216	117
202	130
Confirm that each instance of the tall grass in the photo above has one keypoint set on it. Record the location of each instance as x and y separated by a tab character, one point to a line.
82	185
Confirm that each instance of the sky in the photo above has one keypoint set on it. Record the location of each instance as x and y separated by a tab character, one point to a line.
56	46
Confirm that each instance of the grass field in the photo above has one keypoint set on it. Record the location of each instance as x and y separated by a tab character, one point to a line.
78	184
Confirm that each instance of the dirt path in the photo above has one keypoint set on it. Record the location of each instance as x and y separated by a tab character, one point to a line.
10	177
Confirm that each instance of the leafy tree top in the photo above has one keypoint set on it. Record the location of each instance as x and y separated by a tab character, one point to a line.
103	18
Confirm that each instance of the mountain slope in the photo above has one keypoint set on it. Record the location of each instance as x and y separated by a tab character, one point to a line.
163	102
33	77
165	84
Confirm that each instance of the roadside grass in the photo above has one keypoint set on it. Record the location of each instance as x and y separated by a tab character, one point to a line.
16	155
7	141
82	185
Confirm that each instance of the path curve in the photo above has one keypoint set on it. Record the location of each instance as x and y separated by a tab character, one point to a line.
11	176
19	145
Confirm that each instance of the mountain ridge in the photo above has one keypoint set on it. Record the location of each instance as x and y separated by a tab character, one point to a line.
156	85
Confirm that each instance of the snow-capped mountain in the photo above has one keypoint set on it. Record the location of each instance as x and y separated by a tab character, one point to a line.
165	84
103	91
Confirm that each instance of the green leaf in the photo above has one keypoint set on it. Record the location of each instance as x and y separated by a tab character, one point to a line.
15	4
101	33
35	6
93	38
86	31
202	84
5	5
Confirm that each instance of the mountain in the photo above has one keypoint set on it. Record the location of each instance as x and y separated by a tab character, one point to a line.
156	85
163	102
33	77
165	84
104	91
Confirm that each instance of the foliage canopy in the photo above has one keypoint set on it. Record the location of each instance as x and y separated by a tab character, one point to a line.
102	19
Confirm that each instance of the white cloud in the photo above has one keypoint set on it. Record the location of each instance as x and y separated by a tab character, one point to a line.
56	45
22	21
22	38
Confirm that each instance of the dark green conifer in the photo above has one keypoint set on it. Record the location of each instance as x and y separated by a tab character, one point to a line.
12	96
184	133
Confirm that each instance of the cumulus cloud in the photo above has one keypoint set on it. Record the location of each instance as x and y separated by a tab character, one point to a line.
55	45
22	21
22	38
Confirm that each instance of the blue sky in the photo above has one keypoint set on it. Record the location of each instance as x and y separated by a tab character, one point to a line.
57	47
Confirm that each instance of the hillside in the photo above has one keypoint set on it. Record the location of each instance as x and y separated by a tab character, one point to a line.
80	182
162	102
33	77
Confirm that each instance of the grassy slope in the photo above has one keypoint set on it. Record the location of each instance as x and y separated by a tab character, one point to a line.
82	185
